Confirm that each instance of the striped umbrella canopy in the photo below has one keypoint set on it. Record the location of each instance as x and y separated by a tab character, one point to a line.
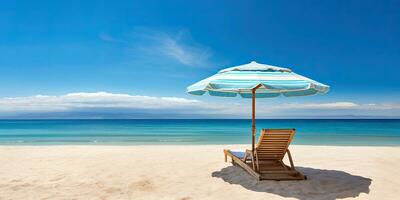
255	80
270	81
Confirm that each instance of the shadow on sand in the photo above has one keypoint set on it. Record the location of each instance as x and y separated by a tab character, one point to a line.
320	184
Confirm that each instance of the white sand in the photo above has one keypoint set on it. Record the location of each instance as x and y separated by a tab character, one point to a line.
191	172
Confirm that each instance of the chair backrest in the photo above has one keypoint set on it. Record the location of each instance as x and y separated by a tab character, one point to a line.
273	143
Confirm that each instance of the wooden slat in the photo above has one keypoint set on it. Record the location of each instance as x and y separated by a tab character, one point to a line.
278	134
266	142
273	139
270	157
275	145
272	147
271	153
267	153
263	155
292	172
275	156
271	150
278	168
281	177
277	137
282	144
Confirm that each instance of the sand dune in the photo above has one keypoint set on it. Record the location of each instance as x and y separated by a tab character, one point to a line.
191	172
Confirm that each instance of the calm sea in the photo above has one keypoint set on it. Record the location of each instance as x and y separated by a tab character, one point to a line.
382	132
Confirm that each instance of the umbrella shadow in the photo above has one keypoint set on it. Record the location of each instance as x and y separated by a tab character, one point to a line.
320	183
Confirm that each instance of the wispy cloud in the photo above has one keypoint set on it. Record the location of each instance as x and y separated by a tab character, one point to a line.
126	105
155	45
108	38
177	48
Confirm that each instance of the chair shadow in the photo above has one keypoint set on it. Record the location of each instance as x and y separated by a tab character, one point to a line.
320	183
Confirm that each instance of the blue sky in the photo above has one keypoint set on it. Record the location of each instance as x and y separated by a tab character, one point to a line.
157	48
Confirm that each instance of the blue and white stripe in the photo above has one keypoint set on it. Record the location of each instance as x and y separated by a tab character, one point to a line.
273	82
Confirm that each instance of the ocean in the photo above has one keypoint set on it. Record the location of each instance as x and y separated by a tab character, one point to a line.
346	132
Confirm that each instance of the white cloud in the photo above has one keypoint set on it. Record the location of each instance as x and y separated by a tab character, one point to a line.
381	106
115	104
337	106
333	105
71	101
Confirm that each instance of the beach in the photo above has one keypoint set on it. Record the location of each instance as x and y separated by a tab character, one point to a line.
191	172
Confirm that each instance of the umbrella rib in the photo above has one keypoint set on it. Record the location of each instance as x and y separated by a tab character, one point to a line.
258	86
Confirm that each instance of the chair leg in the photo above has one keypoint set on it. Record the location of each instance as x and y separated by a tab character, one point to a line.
290	159
226	155
258	165
253	162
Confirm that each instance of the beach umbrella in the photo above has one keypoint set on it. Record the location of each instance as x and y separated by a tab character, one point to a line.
255	80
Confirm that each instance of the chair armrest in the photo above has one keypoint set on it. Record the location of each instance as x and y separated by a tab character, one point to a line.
247	154
254	158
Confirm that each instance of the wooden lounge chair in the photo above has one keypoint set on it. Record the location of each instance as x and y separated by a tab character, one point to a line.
267	161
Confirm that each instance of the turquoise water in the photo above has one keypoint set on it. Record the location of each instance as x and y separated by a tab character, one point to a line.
382	132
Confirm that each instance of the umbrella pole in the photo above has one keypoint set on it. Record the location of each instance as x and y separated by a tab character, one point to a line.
253	116
253	123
